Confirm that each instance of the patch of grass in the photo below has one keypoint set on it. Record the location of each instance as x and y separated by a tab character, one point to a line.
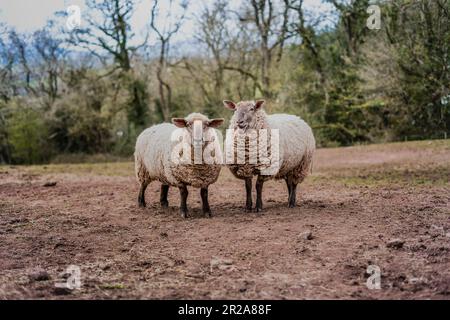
407	171
415	163
112	286
380	176
88	158
409	145
430	144
104	169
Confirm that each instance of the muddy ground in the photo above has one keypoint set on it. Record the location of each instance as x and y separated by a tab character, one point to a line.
384	205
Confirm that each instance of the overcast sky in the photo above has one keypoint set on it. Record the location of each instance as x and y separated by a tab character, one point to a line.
30	15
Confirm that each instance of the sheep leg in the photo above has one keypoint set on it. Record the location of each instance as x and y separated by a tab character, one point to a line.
259	188
293	196
289	186
141	196
204	195
163	198
183	196
248	189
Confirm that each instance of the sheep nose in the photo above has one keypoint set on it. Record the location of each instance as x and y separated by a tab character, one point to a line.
198	142
241	123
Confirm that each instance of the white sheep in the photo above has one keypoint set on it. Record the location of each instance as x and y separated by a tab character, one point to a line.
159	156
296	148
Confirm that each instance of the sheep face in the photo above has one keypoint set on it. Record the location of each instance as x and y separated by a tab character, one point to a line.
198	127
245	113
198	137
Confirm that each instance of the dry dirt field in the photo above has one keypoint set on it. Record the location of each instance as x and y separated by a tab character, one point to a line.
350	210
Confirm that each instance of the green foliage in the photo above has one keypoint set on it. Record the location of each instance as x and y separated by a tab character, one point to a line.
351	84
137	102
77	123
423	55
5	147
27	134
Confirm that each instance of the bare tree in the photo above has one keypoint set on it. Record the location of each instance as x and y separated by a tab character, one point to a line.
20	48
215	35
50	53
306	31
271	25
229	54
110	35
164	35
353	23
7	60
6	63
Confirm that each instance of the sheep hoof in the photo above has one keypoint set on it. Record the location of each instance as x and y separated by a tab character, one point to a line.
164	204
184	214
247	209
258	210
291	205
208	214
142	204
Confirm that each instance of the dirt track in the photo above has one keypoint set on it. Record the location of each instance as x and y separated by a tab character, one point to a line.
358	200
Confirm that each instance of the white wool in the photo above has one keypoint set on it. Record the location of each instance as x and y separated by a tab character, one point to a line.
154	161
296	148
297	145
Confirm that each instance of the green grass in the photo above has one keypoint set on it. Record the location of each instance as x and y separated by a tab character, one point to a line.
103	169
411	171
409	145
379	176
112	286
418	168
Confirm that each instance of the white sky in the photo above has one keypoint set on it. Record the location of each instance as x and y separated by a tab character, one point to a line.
30	15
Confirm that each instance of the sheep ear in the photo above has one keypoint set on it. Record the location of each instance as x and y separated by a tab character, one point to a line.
229	104
259	104
179	122
215	123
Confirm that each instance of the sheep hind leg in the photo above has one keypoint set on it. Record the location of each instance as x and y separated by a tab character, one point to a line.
290	185
248	189
183	197
163	198
259	188
205	203
293	196
141	196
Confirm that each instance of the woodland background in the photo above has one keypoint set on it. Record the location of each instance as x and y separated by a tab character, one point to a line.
85	94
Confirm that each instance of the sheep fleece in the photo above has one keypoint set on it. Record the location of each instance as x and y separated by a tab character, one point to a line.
153	161
296	149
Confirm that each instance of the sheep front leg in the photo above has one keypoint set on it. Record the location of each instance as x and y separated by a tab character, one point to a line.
183	196
206	208
248	189
293	196
259	188
163	198
141	196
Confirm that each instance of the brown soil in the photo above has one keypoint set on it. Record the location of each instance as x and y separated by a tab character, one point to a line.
358	200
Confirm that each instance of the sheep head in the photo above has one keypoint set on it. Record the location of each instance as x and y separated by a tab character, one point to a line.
197	124
199	134
244	113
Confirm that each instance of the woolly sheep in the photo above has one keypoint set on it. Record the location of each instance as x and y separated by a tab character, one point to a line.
154	159
296	148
